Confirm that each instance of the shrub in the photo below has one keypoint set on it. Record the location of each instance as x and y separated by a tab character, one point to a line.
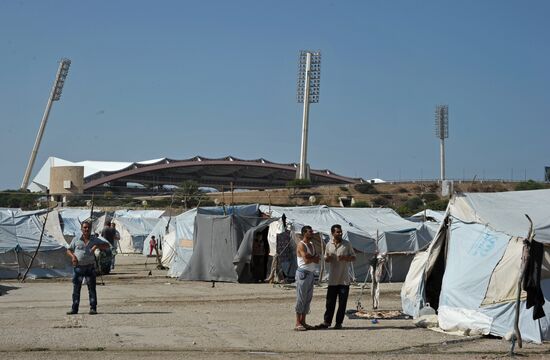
430	197
76	202
19	199
366	188
380	201
298	183
414	204
402	190
361	204
404	211
438	204
528	185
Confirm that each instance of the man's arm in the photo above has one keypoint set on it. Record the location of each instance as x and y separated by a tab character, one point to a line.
101	245
302	252
350	257
347	258
71	254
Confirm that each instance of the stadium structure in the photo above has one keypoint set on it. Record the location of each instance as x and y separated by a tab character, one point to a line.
161	174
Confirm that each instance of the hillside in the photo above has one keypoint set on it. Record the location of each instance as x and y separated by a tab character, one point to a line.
405	198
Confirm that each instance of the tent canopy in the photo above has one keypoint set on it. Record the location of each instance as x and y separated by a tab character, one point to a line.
368	229
470	271
20	233
216	242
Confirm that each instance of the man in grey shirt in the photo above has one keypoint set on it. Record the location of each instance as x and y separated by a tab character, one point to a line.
338	254
81	250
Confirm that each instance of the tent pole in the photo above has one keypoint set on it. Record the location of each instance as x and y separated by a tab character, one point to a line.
524	260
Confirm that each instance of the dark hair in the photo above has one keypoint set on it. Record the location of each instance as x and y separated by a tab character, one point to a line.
88	222
334	227
305	229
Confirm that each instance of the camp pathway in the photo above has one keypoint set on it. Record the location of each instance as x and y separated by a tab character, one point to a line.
150	316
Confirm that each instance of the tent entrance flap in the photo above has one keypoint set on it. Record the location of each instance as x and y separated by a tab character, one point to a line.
435	273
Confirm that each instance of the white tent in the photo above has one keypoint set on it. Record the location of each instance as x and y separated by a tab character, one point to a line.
138	213
71	220
160	232
470	271
370	230
178	245
431	218
133	231
19	237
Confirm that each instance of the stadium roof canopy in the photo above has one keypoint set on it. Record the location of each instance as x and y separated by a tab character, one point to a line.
227	171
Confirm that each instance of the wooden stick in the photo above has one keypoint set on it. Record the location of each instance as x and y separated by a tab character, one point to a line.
524	261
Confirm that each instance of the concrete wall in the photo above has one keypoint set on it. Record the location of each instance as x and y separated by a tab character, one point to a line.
60	174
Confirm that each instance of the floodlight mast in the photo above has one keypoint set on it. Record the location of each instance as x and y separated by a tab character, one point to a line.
55	95
309	77
442	132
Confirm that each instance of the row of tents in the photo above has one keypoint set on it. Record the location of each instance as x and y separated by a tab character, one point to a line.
226	234
215	244
41	237
467	266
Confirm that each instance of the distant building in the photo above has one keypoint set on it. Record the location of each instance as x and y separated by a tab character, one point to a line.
158	174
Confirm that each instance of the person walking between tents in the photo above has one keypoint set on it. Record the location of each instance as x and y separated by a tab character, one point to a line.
114	247
108	232
338	253
152	245
81	250
307	259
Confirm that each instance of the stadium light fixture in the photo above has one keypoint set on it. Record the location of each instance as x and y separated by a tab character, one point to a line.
55	95
442	132
309	81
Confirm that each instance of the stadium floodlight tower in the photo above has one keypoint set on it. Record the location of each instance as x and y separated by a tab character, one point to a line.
442	132
55	95
309	80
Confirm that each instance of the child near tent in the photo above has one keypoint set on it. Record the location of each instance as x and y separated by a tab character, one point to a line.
152	245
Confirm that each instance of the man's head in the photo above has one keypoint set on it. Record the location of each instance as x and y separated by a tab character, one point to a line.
336	231
86	228
113	225
107	222
307	232
153	237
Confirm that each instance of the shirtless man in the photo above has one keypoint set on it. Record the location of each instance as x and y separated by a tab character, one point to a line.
307	259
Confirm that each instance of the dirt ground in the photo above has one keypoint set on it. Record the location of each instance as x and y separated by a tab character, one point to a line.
144	316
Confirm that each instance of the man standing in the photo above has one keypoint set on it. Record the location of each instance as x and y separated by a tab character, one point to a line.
307	258
108	233
338	254
81	250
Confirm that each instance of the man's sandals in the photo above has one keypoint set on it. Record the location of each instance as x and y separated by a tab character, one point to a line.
304	327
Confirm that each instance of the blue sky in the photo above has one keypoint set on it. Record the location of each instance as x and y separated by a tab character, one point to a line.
176	79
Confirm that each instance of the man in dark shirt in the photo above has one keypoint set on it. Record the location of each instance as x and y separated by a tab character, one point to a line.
109	233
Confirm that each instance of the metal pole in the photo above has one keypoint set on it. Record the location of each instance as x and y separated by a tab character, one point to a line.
303	174
442	149
25	182
30	165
